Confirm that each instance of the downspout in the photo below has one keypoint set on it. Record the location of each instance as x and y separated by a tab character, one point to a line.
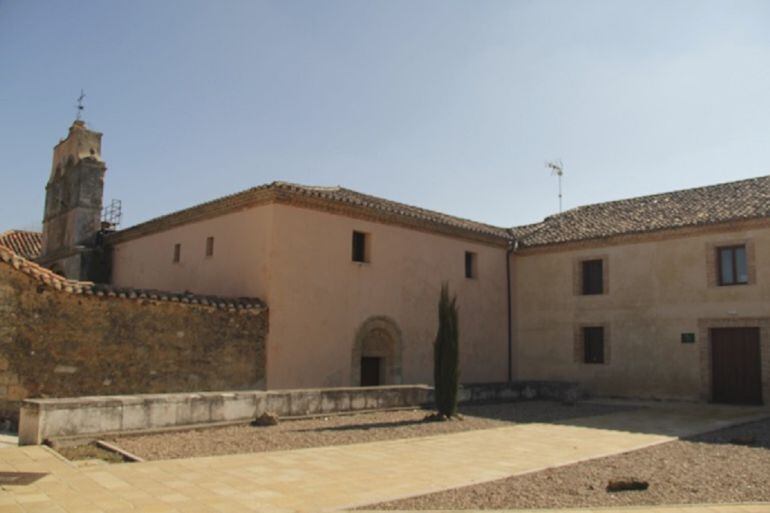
512	246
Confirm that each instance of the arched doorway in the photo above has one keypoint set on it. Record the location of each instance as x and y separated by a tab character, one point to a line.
376	355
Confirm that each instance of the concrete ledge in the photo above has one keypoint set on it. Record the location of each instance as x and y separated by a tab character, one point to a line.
41	419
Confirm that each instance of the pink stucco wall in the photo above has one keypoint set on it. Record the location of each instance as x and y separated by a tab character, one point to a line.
239	266
320	298
299	261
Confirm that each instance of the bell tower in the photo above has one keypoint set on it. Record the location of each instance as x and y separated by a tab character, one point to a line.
73	204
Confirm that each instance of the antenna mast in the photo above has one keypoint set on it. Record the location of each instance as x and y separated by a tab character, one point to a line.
557	168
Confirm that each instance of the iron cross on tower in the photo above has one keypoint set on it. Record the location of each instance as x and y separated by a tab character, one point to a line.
80	104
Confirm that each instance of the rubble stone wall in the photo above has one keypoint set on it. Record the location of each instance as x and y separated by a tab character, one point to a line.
59	344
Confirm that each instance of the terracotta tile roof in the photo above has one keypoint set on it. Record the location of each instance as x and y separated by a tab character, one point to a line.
351	197
326	198
24	243
722	203
733	201
48	278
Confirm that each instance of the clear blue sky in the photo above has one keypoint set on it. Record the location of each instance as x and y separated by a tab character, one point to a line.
453	106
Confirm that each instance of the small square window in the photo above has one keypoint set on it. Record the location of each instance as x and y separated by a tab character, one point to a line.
470	265
360	247
732	265
177	253
593	277
593	344
210	246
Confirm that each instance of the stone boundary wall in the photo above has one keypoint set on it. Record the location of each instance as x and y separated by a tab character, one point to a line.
63	338
43	419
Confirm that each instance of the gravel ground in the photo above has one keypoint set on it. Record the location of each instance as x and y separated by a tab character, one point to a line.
345	429
731	465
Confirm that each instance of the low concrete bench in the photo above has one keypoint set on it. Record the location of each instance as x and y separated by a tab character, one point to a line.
41	419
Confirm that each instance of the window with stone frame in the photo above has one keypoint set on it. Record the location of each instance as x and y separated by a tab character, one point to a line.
593	344
731	262
177	253
592	277
732	265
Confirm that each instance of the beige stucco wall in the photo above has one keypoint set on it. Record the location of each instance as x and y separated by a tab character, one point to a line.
657	290
299	261
324	298
238	268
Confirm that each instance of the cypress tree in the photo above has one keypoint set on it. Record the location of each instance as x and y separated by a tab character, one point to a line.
446	355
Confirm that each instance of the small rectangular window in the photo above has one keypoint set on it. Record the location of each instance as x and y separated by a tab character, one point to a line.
733	267
593	344
360	247
209	246
470	264
177	252
593	277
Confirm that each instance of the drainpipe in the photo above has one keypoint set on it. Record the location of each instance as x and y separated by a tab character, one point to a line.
512	246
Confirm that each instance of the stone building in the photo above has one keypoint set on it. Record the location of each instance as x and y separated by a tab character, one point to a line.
73	206
660	296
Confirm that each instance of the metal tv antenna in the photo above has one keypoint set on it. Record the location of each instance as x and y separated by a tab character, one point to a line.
80	104
557	168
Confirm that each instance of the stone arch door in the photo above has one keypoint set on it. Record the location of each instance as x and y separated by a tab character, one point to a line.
376	356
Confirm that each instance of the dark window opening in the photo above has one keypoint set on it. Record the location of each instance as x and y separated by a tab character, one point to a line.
360	250
470	264
177	252
593	277
733	267
593	344
210	246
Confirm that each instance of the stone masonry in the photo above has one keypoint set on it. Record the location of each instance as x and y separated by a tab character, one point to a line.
55	343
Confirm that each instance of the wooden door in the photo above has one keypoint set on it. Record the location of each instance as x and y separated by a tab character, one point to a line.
370	371
736	366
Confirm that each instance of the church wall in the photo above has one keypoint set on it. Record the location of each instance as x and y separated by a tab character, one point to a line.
299	261
320	298
239	266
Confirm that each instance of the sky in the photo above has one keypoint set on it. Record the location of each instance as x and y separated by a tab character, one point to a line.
448	105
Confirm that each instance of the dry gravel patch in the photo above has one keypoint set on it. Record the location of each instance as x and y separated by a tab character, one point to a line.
346	429
731	465
88	452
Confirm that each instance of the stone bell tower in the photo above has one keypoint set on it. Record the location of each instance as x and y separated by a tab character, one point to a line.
73	205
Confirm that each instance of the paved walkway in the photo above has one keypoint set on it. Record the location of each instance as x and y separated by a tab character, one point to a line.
686	508
330	478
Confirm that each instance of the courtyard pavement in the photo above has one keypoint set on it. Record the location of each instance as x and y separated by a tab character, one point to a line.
36	479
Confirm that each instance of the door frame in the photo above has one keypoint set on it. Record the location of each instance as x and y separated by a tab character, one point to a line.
705	351
730	363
